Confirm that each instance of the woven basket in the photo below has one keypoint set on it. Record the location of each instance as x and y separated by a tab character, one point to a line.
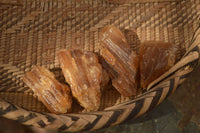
32	32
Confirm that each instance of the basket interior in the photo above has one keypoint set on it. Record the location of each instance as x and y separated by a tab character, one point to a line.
32	34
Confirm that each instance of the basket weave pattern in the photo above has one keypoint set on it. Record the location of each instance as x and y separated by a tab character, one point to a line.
33	32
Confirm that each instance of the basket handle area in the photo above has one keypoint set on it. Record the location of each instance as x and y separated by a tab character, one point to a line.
157	92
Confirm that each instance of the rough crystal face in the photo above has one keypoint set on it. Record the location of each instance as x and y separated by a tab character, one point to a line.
83	72
156	58
105	78
54	95
121	62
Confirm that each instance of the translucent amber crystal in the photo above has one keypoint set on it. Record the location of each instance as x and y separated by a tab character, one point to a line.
122	63
156	58
54	95
83	72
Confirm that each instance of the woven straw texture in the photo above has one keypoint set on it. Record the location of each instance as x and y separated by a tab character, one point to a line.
32	32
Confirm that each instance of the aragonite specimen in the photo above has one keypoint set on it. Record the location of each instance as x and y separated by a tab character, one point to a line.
83	72
156	58
105	78
122	63
54	95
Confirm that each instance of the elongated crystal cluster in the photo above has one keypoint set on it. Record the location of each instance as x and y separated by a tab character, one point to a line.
83	72
54	95
156	58
121	62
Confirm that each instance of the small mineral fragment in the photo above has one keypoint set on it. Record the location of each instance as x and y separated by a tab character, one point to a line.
156	57
120	62
83	72
54	95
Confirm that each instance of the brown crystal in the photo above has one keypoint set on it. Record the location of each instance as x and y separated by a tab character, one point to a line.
156	58
83	72
105	78
121	62
54	95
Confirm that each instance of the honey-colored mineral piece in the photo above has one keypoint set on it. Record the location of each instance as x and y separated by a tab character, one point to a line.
54	95
83	73
121	62
156	58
